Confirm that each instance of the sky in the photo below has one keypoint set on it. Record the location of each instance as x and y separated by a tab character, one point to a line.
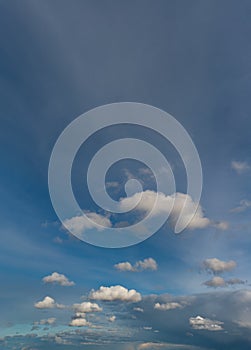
60	59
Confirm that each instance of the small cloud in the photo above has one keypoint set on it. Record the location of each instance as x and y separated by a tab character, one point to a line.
141	265
48	321
217	266
48	303
111	318
244	205
240	167
167	306
79	224
57	278
215	282
79	322
201	323
138	309
114	293
86	307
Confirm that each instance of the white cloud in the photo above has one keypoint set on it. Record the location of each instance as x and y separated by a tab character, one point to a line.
138	309
240	167
57	278
79	224
79	322
86	307
125	266
48	303
146	264
145	202
141	265
111	318
216	281
167	306
244	205
201	323
115	293
219	266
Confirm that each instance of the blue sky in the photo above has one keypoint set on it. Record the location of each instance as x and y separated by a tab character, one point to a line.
60	59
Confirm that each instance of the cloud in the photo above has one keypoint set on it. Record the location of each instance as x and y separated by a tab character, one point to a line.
215	282
57	278
125	266
79	224
220	282
141	265
86	307
111	318
79	322
145	201
244	205
48	303
167	306
48	321
201	323
217	266
240	167
115	293
138	309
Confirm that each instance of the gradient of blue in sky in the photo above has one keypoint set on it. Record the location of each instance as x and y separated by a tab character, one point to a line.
59	59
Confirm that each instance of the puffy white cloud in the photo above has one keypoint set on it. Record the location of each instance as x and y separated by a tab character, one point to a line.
141	265
240	167
219	266
48	303
57	278
115	293
86	307
167	306
146	264
125	266
145	201
244	205
79	224
79	322
216	281
111	318
201	323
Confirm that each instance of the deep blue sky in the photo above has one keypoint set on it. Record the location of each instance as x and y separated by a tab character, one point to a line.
59	59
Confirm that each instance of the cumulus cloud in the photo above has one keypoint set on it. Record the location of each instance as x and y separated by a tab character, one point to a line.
141	265
240	167
79	322
217	266
215	282
48	303
57	278
86	307
115	293
125	266
201	323
167	306
79	224
145	201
